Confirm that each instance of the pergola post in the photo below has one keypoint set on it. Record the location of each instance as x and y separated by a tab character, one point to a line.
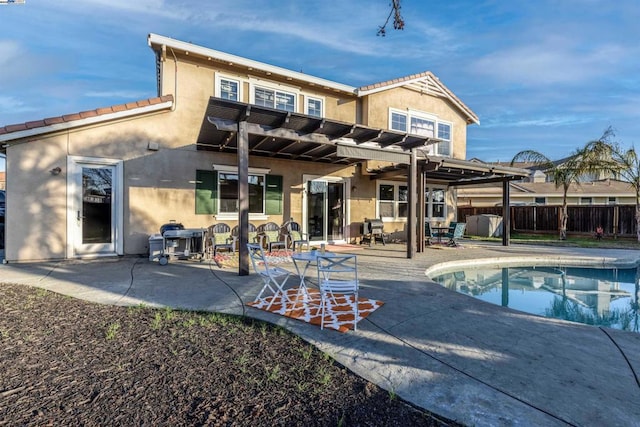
413	192
506	214
421	209
243	198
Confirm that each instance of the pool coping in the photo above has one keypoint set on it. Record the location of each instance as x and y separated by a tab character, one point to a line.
535	260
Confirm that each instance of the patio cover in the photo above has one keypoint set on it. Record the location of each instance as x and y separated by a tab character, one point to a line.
246	129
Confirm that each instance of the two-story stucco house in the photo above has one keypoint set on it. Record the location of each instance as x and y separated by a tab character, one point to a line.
233	140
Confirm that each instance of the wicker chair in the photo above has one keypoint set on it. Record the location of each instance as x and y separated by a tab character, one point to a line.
270	236
252	234
295	235
220	238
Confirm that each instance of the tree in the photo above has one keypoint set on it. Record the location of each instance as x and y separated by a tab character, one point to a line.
594	158
607	155
563	174
398	21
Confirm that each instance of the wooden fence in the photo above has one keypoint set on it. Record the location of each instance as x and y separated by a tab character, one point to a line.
616	220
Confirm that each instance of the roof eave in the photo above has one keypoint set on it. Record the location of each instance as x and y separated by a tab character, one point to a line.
158	40
57	127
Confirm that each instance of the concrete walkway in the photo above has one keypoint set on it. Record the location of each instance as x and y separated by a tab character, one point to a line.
464	359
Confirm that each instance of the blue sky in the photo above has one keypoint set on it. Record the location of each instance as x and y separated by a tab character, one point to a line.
547	75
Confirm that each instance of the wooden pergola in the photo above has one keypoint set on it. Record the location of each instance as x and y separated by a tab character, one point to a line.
250	130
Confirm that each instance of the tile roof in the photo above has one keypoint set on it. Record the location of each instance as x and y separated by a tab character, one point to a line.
429	78
396	81
84	114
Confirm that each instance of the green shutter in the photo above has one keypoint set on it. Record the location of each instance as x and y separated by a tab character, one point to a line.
273	202
206	192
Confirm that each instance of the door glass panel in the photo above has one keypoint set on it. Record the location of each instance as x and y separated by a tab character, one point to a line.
316	201
336	214
97	184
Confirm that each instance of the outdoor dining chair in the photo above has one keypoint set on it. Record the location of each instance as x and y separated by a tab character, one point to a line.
271	236
337	280
456	234
252	234
220	238
296	236
274	278
429	234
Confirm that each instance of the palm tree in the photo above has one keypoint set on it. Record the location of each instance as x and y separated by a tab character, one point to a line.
607	155
563	173
592	159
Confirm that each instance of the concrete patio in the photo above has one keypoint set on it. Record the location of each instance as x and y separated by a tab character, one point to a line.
464	359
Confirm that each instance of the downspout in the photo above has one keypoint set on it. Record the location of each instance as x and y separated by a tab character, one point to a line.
175	80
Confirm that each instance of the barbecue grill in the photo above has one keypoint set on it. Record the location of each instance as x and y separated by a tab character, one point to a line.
372	231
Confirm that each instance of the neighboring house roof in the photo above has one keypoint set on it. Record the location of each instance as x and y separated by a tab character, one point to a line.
425	82
603	188
99	115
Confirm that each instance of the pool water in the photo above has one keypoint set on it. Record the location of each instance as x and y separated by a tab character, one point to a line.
593	296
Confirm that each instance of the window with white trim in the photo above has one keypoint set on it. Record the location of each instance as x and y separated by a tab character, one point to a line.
274	98
540	200
314	107
435	203
444	133
586	200
612	200
228	193
423	124
217	192
392	201
228	88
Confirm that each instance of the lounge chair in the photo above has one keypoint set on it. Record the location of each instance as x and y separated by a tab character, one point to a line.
456	234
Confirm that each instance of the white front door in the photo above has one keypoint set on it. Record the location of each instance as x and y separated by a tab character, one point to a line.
94	207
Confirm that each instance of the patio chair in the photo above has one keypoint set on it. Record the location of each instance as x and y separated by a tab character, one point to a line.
295	235
429	234
338	274
270	236
252	235
457	234
274	278
220	238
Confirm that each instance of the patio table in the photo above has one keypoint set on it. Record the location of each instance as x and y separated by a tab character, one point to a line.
440	232
301	262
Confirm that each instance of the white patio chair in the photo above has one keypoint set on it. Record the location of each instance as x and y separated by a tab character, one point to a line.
274	278
338	274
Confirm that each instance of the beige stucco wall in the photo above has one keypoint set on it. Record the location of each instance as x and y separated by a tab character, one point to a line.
377	105
196	83
159	185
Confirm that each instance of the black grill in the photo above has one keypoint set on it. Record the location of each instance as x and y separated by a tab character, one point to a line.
372	231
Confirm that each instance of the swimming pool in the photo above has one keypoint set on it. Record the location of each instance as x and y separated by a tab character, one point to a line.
601	296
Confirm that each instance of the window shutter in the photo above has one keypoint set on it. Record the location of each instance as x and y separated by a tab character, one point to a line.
206	192
273	202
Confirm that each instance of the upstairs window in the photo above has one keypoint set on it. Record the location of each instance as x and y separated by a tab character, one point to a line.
314	107
444	133
277	99
227	88
424	125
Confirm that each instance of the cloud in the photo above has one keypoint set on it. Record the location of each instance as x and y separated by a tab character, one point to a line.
125	94
553	60
11	105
